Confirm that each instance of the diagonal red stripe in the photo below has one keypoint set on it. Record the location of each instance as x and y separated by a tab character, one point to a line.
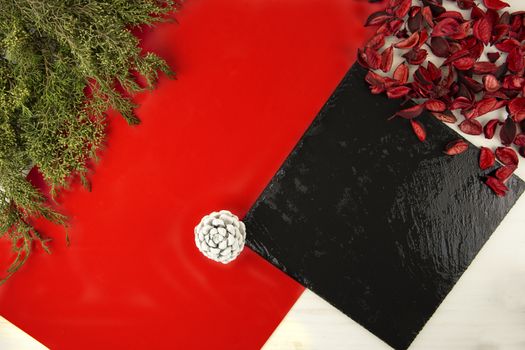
251	77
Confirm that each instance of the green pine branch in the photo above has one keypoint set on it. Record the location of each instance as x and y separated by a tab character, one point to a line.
50	52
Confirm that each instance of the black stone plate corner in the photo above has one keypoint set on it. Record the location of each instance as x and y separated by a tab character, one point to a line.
372	220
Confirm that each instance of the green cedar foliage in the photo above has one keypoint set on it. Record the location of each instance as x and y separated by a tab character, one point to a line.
51	53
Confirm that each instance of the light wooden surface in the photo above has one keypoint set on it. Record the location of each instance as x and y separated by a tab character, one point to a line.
13	338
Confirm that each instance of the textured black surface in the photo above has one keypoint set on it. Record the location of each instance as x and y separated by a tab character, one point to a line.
372	220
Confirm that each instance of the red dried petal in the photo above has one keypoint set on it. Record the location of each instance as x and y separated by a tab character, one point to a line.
491	83
423	37
403	8
397	91
487	105
401	73
462	32
456	147
415	56
486	158
495	4
471	127
482	30
419	130
445	27
372	58
507	45
504	172
461	103
515	60
387	57
452	14
377	18
516	109
434	73
435	105
484	68
411	112
496	185
409	42
508	132
446	116
513	82
464	63
376	42
507	155
519	140
490	128
427	15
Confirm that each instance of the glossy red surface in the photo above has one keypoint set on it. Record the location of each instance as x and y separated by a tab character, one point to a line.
251	77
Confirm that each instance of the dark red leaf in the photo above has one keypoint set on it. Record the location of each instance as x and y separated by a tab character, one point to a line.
504	172
456	147
508	132
397	92
471	127
507	155
491	83
465	4
419	130
411	112
415	23
387	58
435	105
486	158
493	56
401	73
519	140
445	27
490	128
482	30
496	185
495	4
446	116
440	46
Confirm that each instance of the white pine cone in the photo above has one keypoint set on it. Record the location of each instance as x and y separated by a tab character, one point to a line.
220	236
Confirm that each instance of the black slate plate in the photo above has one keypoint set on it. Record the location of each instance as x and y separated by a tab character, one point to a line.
374	221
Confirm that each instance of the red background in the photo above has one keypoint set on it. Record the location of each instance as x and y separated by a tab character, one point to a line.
252	74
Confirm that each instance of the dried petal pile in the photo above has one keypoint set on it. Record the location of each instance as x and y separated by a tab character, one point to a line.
482	70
